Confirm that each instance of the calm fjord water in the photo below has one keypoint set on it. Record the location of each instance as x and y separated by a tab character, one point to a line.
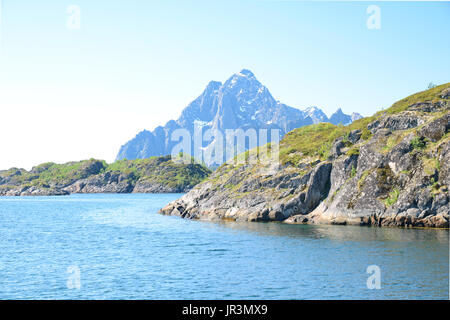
125	250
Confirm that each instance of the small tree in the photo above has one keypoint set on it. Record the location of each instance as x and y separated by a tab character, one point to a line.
431	85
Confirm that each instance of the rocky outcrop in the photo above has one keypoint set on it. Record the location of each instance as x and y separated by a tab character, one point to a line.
31	191
154	175
403	121
109	182
391	169
148	186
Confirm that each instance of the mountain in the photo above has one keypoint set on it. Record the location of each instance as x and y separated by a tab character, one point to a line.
356	116
390	169
153	175
316	115
242	102
340	117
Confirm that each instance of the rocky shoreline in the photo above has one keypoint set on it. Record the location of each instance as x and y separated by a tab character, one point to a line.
153	175
391	169
113	184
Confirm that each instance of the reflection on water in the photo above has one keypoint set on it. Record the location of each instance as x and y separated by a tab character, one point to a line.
341	233
125	250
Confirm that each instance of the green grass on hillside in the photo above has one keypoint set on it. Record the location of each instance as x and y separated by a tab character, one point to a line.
316	140
429	95
162	170
156	169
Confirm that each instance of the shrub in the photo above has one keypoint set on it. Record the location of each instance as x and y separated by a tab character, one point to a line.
353	172
353	151
418	143
393	197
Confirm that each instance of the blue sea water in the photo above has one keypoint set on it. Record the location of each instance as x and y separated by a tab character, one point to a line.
119	247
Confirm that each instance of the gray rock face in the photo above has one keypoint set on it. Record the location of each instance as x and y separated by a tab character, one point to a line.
396	122
242	102
398	176
436	129
109	182
32	191
143	186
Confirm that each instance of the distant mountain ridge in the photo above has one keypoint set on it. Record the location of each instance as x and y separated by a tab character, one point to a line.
241	102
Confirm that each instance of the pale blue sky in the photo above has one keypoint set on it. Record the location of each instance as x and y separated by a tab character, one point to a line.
74	94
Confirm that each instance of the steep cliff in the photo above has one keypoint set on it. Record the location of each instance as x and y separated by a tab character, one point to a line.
391	169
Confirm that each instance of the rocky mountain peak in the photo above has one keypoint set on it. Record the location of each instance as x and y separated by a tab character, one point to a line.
241	102
246	73
356	116
339	117
243	80
316	114
213	85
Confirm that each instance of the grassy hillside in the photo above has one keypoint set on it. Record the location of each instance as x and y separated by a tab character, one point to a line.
315	140
156	169
161	170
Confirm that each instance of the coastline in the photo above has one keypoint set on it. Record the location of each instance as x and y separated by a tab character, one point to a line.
390	169
152	175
